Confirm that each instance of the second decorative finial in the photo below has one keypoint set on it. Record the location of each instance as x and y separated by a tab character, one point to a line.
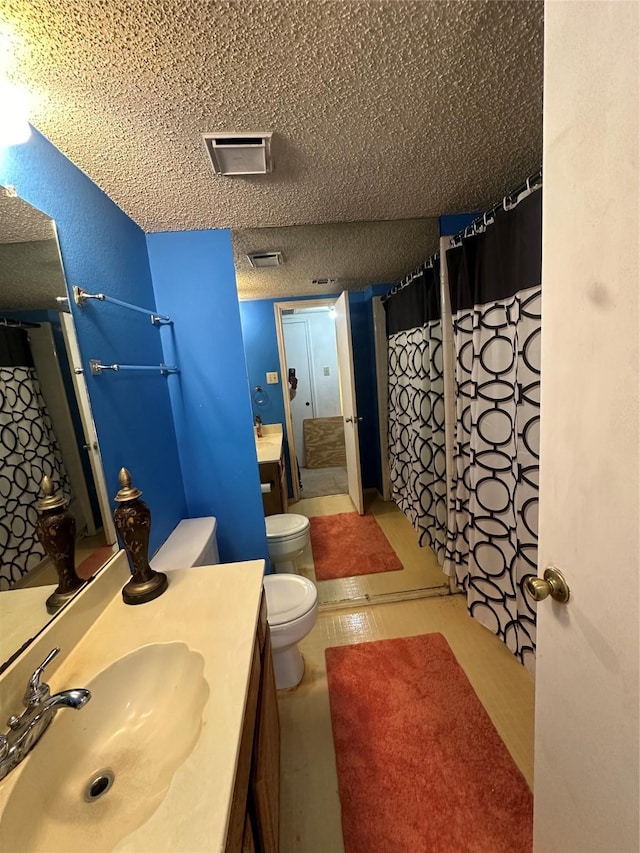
133	523
56	530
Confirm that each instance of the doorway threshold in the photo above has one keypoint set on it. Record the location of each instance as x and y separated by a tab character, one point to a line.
384	598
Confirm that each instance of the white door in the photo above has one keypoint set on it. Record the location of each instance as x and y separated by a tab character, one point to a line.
348	398
296	344
586	755
89	428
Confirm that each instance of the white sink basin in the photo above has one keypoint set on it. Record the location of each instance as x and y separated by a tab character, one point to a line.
143	720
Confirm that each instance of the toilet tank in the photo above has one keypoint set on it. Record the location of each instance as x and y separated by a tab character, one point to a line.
192	543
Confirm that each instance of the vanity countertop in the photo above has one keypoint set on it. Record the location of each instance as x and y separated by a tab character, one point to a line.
23	612
214	610
269	447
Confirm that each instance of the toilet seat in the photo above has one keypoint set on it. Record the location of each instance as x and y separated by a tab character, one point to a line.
286	526
289	597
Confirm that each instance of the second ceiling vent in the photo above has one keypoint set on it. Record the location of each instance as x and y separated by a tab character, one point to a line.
239	153
265	259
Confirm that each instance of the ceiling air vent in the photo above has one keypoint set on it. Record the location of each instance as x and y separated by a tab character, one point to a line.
324	282
265	259
239	154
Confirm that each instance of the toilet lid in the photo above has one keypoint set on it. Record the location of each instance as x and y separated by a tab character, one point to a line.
288	597
285	525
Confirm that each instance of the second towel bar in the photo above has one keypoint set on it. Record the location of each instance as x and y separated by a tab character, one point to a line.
97	367
81	296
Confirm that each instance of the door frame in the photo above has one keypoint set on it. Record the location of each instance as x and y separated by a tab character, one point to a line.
88	425
382	387
278	309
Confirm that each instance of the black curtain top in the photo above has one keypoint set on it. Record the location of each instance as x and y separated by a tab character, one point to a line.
14	348
416	304
504	259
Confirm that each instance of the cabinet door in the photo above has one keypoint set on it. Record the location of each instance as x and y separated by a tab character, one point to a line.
265	775
247	839
271	501
236	828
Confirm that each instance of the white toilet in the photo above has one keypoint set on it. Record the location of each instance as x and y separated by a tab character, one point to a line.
292	600
191	543
292	611
287	537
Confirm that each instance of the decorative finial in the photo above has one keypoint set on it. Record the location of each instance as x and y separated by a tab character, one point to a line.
133	523
49	499
127	492
56	531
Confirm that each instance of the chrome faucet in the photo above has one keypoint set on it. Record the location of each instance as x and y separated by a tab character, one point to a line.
40	709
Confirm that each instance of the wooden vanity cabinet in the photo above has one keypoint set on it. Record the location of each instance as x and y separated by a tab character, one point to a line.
274	474
254	823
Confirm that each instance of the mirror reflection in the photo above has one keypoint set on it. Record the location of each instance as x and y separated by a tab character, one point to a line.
42	425
317	260
325	397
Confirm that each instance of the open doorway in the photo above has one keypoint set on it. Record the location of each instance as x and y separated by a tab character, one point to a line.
314	394
380	559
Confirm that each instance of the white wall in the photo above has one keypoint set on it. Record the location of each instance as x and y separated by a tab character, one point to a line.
322	338
587	701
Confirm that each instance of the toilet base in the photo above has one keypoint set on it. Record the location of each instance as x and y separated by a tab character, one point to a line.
288	666
285	567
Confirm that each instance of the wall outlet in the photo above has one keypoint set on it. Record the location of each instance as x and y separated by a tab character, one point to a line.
327	372
272	378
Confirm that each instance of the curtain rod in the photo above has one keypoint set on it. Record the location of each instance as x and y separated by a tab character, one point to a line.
513	199
479	224
428	264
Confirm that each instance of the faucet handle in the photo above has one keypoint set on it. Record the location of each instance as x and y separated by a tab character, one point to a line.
36	691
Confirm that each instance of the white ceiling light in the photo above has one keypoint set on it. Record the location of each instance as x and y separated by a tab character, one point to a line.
239	153
265	259
14	119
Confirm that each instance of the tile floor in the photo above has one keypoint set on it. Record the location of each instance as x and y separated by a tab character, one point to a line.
318	482
310	807
420	567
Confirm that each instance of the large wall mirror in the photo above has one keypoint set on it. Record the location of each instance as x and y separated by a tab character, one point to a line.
46	426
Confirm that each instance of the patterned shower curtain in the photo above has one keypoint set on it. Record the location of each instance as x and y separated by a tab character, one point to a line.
417	461
494	283
28	451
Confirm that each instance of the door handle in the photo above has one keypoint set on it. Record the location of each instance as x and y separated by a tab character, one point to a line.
552	583
353	420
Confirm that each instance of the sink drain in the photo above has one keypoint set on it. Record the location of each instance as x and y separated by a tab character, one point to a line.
99	786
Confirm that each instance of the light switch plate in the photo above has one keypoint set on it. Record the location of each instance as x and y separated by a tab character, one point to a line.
272	378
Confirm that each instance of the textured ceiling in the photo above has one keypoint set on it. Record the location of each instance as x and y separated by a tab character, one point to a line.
380	110
354	253
19	222
31	276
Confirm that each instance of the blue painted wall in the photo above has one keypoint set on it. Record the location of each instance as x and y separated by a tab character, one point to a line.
364	368
104	250
194	281
453	223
